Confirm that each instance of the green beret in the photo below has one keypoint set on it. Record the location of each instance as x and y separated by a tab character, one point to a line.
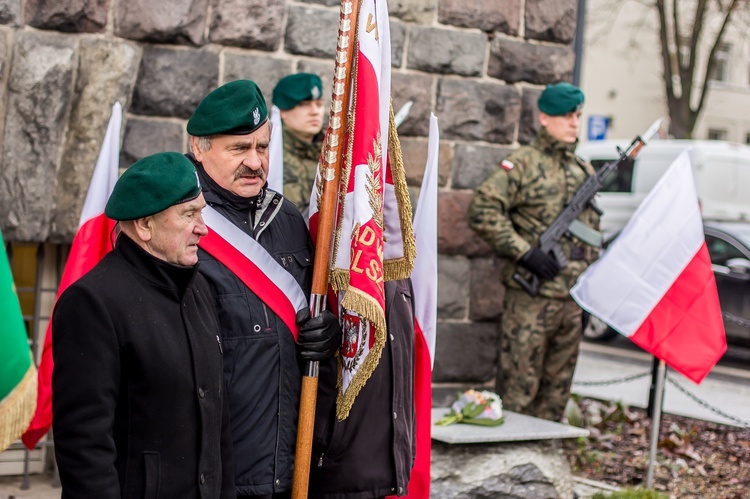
560	98
235	108
153	184
293	89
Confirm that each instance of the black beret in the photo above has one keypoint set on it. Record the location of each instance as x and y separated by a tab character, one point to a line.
293	89
235	108
560	98
153	184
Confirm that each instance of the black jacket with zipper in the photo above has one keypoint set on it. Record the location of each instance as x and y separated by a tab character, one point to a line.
261	368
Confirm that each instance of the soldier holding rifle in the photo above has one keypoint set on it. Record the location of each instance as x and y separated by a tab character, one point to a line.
540	335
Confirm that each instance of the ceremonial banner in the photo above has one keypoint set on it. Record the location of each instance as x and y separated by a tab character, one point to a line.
18	378
92	241
276	153
655	284
425	280
373	237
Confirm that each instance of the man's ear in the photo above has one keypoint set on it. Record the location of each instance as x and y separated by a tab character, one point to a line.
543	119
195	149
144	228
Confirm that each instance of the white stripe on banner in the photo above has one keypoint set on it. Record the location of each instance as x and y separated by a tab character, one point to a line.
258	255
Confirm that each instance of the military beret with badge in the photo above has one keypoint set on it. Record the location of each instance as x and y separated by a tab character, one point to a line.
235	108
153	184
295	88
560	99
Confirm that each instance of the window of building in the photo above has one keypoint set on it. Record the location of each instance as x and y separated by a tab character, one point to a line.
720	71
717	134
747	138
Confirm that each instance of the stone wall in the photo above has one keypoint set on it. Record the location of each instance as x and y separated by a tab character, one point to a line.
478	65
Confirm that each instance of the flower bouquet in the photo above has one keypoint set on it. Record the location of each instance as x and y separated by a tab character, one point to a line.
472	407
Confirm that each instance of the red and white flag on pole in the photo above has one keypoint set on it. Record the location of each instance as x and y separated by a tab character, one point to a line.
424	279
90	244
373	234
655	284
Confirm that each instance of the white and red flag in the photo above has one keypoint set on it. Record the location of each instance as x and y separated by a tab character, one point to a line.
91	242
655	284
373	239
424	280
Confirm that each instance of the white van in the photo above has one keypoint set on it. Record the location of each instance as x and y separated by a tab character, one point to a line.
721	170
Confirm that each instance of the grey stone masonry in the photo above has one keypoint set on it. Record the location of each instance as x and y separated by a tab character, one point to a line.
230	26
487	292
416	11
74	16
473	163
551	20
477	111
414	153
106	74
39	91
515	61
417	88
149	136
262	70
176	21
398	39
10	12
171	82
488	15
465	351
454	235
445	51
304	35
529	115
453	286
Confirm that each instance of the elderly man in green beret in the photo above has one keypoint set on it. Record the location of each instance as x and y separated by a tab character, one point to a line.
299	98
540	335
139	405
258	262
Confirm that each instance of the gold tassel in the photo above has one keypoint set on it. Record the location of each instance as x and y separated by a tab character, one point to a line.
17	409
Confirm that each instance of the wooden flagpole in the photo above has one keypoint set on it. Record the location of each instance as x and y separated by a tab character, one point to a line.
330	173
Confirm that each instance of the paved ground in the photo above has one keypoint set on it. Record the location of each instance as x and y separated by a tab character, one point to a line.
725	389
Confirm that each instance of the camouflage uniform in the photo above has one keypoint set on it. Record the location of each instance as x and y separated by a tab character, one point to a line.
540	335
300	165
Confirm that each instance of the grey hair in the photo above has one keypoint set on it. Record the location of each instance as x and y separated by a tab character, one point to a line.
204	143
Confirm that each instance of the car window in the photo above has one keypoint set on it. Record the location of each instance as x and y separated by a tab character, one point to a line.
721	250
619	180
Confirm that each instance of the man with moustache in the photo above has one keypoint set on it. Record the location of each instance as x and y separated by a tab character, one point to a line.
299	98
260	229
139	405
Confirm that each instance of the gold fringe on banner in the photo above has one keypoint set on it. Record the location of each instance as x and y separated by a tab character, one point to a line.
400	268
17	409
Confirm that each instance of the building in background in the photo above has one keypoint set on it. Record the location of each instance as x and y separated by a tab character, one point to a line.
622	73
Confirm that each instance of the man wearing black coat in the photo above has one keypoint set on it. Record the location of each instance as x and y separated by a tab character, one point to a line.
229	138
139	406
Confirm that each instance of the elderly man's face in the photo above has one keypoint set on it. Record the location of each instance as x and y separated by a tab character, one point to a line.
305	119
175	232
563	128
238	163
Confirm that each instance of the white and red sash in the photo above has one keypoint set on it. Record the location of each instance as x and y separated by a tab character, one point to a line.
254	266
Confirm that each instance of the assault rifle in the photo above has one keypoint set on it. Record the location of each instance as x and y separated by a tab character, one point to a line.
549	241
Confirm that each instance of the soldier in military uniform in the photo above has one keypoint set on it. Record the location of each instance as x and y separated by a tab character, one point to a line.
540	335
299	98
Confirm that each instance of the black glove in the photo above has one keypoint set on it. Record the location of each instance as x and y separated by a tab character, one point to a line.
319	337
540	264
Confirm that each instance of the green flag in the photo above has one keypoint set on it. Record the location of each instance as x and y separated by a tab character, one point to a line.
17	371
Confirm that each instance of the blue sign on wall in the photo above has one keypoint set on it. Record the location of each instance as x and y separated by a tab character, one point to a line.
597	128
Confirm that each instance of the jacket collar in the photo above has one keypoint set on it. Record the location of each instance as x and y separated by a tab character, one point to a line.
168	276
300	148
545	142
